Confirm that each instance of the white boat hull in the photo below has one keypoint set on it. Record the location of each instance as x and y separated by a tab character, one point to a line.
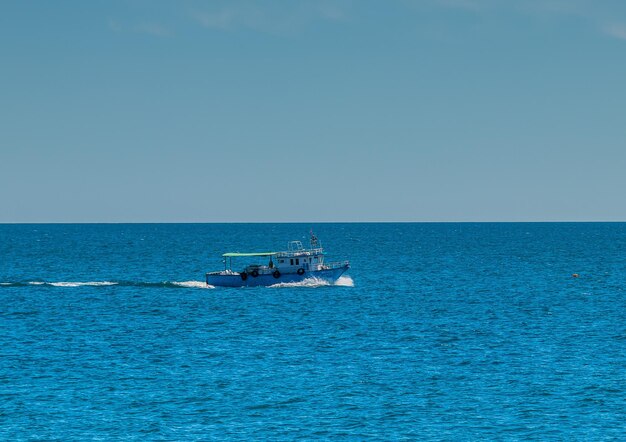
235	280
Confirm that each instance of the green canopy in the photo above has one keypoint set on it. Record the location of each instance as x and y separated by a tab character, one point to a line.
237	255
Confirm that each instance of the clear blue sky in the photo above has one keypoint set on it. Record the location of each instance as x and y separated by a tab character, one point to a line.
330	110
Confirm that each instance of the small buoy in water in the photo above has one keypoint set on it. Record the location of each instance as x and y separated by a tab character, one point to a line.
574	275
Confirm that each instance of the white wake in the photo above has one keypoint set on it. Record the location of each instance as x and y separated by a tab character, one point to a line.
343	281
78	284
193	284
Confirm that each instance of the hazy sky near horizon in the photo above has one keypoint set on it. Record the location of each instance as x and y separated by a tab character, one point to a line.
330	110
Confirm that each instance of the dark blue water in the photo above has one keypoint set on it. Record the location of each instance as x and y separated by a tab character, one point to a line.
450	332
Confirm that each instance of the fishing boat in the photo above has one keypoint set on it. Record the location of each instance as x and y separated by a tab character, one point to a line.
292	265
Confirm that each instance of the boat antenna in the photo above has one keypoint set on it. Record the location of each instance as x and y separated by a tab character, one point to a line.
313	240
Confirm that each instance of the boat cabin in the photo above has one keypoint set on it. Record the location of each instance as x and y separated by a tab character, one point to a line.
296	259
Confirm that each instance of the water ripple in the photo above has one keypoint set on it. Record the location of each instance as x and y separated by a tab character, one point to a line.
451	332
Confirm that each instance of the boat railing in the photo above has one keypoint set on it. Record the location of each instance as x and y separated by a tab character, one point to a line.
303	252
336	264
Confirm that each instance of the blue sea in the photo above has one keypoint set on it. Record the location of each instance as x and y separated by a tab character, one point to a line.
437	332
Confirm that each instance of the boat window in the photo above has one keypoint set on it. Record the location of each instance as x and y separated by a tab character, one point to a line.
282	261
297	261
291	261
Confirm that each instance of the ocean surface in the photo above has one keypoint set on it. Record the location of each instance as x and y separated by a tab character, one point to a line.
437	332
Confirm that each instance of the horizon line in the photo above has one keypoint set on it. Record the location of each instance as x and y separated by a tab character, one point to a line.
310	222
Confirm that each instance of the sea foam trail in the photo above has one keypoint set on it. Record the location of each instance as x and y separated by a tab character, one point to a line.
164	284
343	281
81	284
193	284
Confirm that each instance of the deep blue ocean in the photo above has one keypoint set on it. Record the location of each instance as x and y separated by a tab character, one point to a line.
441	332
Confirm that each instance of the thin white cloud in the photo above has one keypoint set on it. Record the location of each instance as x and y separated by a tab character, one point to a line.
330	11
228	18
288	18
152	29
572	7
591	12
595	14
148	28
219	20
115	26
469	5
616	30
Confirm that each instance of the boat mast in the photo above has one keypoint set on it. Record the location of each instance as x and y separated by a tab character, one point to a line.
314	240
